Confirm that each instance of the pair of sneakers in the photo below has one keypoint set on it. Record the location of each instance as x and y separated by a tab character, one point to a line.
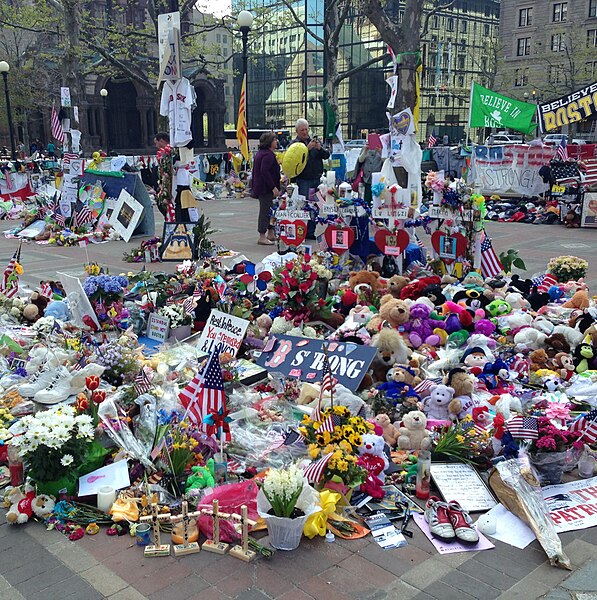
449	522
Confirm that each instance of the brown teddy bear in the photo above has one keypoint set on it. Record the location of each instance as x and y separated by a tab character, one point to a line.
391	349
396	283
463	384
539	360
555	344
390	433
359	278
579	300
392	312
36	307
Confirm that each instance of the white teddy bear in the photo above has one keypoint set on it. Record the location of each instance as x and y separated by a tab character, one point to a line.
436	405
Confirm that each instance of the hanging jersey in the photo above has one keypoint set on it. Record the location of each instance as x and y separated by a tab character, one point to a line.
177	103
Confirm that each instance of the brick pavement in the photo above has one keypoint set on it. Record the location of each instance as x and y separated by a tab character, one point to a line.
35	563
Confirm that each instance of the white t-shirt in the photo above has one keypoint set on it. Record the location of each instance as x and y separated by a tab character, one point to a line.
177	103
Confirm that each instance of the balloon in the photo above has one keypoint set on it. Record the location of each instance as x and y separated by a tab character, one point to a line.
295	159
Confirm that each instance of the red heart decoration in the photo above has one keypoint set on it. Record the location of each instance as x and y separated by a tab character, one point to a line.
331	237
384	238
436	242
297	229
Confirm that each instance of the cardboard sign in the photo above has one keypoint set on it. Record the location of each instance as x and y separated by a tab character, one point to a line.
293	215
77	298
458	481
169	46
303	358
223	330
158	327
65	101
572	505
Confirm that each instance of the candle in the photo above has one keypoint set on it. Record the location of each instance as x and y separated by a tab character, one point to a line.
105	498
143	533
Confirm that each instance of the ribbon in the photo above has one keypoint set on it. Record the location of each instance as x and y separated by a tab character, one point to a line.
316	523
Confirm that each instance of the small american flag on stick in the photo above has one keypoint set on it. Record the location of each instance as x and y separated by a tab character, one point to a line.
523	427
314	472
142	384
587	424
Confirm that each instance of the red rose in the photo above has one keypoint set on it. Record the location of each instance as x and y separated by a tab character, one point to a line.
313	276
304	286
293	282
321	303
98	396
92	382
289	266
306	268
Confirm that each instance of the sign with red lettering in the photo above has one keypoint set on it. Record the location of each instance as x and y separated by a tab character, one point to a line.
224	331
303	358
572	505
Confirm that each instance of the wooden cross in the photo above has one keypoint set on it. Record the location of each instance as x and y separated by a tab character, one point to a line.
185	517
243	551
215	545
157	549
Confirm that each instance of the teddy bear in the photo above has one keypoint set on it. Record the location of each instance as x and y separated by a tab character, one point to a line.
264	324
36	307
572	219
579	300
391	349
59	310
463	383
392	313
390	433
539	360
563	364
364	278
436	404
415	288
555	344
402	380
21	500
373	458
481	416
395	285
413	435
43	505
421	326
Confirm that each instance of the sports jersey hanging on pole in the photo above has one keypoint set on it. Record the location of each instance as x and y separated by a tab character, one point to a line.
177	103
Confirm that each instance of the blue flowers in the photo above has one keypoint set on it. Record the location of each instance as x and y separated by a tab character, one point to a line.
105	284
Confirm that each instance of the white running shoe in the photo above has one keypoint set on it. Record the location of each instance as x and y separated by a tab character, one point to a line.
77	383
38	381
57	390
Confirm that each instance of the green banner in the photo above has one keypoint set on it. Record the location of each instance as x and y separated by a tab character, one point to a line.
490	109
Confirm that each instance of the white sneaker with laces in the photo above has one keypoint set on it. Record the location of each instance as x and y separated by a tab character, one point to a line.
57	390
38	381
77	382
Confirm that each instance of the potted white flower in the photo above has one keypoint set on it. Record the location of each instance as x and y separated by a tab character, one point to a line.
180	320
285	500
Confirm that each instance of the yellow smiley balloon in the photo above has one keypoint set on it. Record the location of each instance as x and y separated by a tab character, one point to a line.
295	159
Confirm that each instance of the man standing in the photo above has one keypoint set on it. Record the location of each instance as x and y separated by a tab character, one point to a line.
310	177
161	140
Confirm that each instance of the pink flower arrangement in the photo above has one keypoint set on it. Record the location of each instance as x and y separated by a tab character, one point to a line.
435	182
553	439
558	412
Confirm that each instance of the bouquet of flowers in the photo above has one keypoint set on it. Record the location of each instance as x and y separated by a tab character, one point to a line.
343	442
462	441
566	268
282	488
55	442
105	288
554	439
177	315
121	362
296	285
166	173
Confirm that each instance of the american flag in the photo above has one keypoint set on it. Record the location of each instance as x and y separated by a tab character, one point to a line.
82	216
67	157
547	281
45	289
142	385
9	284
56	126
328	381
490	263
563	150
314	471
177	288
431	140
190	303
204	394
587	424
523	427
426	384
329	423
519	364
80	363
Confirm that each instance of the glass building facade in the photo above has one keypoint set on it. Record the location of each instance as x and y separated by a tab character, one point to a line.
287	71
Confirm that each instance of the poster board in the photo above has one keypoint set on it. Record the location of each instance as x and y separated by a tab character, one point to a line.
177	242
169	46
302	358
131	182
126	214
572	505
461	482
589	210
158	327
223	330
78	301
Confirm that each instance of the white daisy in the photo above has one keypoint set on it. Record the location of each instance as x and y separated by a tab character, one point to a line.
67	460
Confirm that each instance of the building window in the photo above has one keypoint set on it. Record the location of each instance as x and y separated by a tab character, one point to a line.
560	12
225	51
463	26
450	24
461	61
435	22
525	17
556	74
591	69
523	47
557	42
592	38
592	8
400	16
486	29
461	81
522	77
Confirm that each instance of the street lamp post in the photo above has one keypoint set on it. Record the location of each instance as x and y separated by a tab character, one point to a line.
4	68
245	22
104	95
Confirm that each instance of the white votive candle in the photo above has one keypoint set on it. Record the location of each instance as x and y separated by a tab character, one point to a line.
105	498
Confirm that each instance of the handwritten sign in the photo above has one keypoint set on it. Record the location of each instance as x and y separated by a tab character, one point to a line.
460	482
440	212
158	327
303	358
332	209
293	215
223	330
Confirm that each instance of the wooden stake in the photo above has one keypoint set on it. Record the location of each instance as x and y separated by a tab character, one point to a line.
215	545
242	552
185	517
157	549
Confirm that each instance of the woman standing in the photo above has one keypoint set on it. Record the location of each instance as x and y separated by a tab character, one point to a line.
371	162
266	185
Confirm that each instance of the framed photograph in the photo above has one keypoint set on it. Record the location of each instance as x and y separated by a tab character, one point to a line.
177	242
447	247
340	240
589	211
126	215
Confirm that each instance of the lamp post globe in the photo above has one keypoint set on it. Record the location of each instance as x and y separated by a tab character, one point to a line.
245	19
4	69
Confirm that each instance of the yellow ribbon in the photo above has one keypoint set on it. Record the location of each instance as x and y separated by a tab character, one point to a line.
316	524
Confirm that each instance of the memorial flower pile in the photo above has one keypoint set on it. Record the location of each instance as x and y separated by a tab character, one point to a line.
567	268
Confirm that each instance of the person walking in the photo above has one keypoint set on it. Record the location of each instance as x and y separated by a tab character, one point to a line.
371	162
266	185
310	176
51	149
